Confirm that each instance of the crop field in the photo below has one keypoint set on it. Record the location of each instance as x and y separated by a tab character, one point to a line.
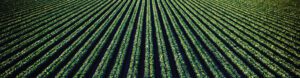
149	38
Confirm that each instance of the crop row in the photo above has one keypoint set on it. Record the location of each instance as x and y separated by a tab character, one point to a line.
147	38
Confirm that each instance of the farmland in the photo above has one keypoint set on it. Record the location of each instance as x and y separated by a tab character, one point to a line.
149	38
